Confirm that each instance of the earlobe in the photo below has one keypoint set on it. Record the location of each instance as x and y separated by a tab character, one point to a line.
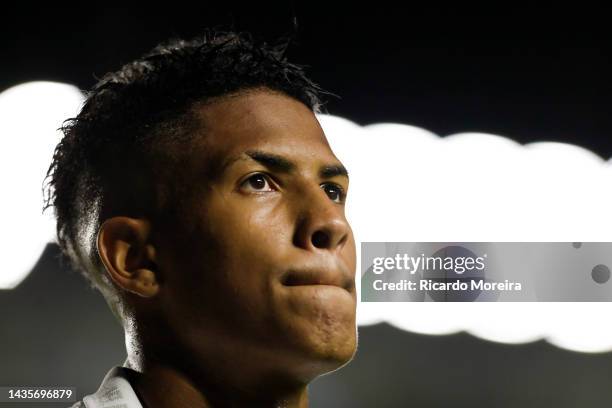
128	256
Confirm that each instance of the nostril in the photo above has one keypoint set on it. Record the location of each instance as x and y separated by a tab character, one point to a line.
320	239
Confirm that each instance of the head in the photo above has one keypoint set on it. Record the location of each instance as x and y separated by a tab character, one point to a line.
197	191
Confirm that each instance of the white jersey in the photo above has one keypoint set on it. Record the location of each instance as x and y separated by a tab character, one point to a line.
115	391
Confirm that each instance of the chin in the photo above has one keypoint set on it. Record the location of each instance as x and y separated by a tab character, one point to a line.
330	350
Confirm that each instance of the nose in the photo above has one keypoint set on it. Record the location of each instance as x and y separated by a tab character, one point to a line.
321	224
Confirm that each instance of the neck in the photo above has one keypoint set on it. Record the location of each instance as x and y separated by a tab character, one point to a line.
164	386
228	374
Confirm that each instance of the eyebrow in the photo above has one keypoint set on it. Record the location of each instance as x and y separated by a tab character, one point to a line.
333	171
283	165
272	161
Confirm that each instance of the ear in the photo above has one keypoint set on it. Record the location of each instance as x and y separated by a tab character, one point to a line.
127	254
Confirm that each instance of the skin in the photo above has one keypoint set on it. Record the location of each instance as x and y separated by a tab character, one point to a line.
247	294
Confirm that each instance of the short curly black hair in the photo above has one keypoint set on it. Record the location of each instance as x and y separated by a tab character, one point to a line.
140	110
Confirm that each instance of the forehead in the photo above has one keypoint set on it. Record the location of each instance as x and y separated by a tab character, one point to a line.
264	120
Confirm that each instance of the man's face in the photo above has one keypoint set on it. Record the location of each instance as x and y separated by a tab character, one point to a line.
262	265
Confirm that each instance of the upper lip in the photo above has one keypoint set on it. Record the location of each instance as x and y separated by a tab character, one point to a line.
318	276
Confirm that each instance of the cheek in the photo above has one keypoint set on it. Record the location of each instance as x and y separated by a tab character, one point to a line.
234	257
349	254
254	228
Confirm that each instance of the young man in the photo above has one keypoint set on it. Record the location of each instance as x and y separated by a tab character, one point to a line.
196	189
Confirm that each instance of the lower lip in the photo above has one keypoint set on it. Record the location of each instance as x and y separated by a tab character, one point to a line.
315	300
320	289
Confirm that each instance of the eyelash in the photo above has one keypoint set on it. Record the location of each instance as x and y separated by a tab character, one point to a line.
267	177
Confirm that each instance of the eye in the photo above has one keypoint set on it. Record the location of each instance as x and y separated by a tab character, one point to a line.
257	182
335	192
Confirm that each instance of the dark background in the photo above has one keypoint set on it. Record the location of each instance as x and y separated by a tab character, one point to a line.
529	73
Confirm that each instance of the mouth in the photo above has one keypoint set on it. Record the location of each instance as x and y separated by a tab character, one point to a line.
328	277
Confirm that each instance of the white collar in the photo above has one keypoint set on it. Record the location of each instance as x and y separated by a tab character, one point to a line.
114	391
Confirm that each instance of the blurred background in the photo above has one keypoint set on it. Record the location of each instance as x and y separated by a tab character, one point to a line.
528	74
